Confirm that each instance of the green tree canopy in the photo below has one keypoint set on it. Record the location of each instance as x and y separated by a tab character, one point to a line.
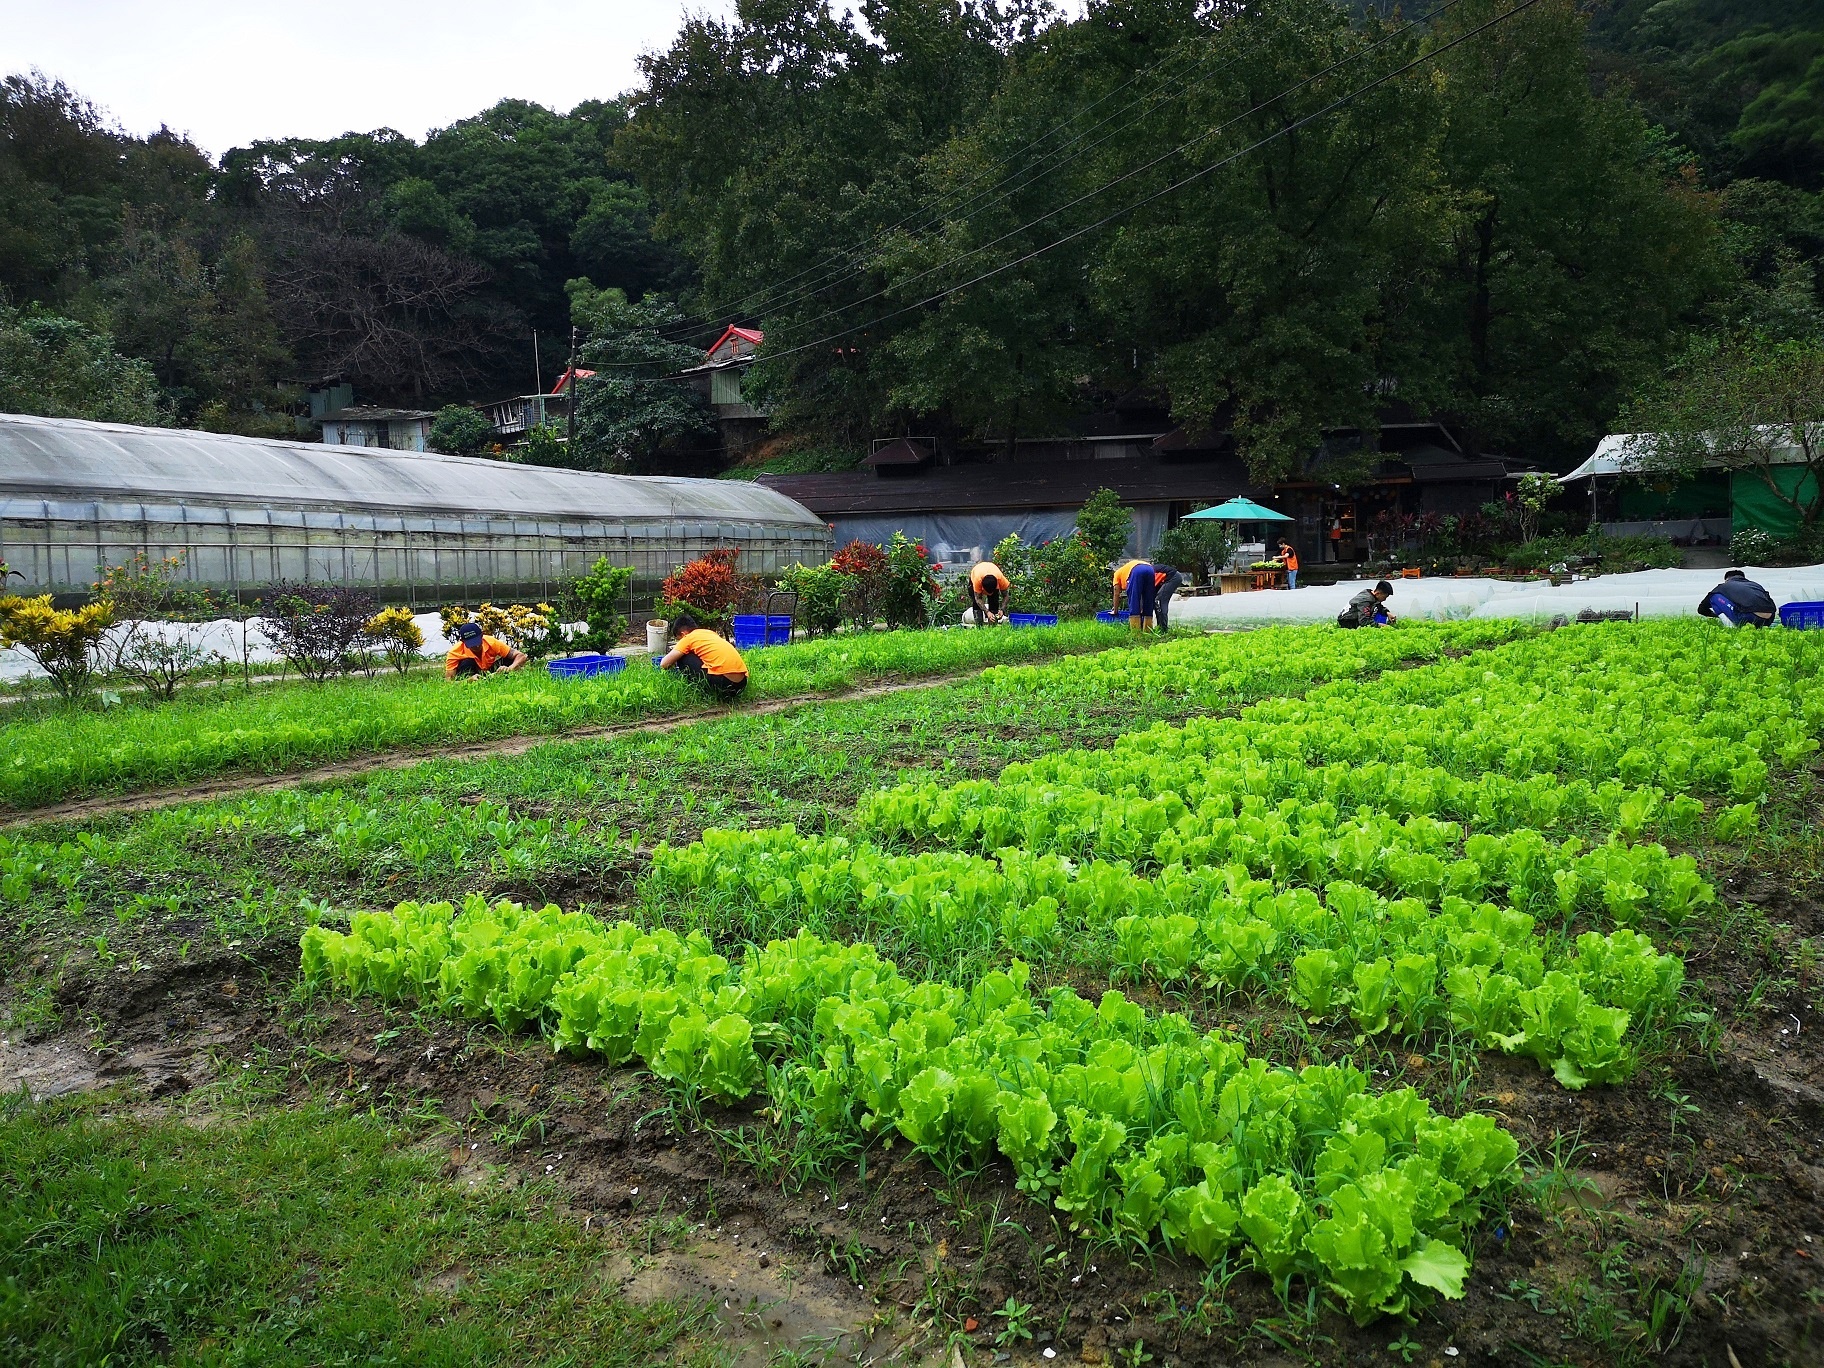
631	409
60	368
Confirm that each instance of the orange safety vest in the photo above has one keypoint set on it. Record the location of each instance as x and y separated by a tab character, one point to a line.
493	651
986	571
1291	560
718	657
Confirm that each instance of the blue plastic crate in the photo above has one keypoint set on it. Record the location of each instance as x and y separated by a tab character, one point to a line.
1809	616
582	666
778	629
1106	616
1032	619
750	631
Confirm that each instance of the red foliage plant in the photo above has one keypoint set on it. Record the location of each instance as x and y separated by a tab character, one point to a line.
709	584
861	559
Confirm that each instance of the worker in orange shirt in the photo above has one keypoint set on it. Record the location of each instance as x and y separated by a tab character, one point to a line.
1290	557
1137	583
986	581
476	654
706	660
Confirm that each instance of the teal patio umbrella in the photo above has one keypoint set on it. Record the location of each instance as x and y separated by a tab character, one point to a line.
1241	510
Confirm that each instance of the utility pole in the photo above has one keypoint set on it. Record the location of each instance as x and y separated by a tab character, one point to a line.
571	439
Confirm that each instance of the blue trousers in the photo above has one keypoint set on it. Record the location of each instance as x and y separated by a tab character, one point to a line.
1140	591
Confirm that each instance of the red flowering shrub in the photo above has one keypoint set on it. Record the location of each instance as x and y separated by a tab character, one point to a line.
709	585
863	566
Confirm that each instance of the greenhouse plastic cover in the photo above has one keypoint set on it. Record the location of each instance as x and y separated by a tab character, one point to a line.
1656	593
58	459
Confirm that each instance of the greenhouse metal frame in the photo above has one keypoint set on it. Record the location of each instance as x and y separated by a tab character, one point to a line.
418	528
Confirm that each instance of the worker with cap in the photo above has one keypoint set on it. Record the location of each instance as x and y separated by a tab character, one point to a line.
987	581
1138	583
1365	608
1738	602
706	660
476	653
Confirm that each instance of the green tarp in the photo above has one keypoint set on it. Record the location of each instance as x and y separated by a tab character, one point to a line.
1668	498
1758	506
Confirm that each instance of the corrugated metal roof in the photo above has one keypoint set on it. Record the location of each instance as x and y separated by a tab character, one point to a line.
64	458
1062	484
366	413
1435	465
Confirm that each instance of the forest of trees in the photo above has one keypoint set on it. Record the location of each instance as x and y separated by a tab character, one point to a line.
976	219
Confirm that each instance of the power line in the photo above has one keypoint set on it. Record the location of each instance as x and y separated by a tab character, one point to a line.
1175	186
1141	169
834	260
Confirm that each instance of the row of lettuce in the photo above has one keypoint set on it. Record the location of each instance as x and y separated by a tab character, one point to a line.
1135	1125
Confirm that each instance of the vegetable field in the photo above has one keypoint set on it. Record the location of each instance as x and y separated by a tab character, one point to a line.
1284	996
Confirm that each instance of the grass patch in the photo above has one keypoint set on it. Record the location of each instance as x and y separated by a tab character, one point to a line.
308	1236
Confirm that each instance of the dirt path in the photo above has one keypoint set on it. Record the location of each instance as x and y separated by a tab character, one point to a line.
402	759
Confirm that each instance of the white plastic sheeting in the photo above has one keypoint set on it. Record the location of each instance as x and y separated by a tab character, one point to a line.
222	636
1657	593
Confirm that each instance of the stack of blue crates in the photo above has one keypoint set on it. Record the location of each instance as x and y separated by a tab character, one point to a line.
1032	619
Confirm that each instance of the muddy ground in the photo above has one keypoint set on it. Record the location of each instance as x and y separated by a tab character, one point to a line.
1677	1219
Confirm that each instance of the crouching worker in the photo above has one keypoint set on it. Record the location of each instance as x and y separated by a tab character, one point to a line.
477	653
1366	608
1738	602
706	660
987	583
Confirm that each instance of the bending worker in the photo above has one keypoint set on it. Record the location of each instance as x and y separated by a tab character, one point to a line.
1290	557
1739	602
706	660
477	653
1365	608
1137	583
987	581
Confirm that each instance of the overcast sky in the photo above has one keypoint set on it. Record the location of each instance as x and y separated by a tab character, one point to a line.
227	74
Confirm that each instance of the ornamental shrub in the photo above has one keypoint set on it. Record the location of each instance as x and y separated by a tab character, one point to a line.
1071	576
865	565
314	626
708	586
536	629
820	590
597	598
398	636
909	587
66	644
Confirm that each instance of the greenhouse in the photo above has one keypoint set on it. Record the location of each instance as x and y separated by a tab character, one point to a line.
414	527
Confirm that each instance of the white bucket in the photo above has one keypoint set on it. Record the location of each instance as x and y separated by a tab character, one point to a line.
657	629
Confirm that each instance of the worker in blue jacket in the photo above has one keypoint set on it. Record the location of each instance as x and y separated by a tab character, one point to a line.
1738	602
